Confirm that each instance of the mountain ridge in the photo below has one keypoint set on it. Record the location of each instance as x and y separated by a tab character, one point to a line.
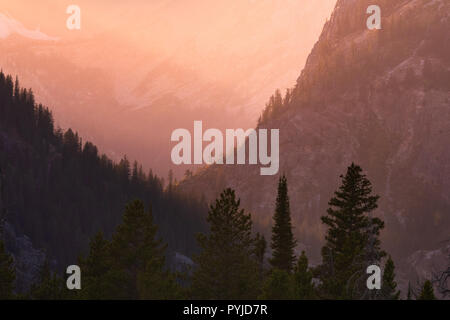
377	98
9	26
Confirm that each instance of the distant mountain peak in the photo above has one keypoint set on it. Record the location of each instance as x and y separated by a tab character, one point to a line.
9	26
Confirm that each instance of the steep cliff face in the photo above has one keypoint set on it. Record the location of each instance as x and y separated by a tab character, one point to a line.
379	98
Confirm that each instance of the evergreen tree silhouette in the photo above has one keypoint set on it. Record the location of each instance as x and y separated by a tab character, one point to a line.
427	292
226	267
352	241
389	286
303	276
283	242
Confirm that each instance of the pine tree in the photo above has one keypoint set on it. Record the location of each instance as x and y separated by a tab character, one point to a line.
131	266
278	286
16	89
409	294
389	286
352	238
48	286
100	279
226	267
156	283
303	279
427	292
7	273
283	242
137	253
260	251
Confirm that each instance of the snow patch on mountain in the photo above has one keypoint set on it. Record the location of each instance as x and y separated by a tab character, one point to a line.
9	26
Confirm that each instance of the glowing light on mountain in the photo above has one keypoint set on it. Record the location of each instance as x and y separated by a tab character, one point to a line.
9	26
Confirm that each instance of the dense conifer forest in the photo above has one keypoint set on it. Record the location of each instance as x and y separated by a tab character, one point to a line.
59	190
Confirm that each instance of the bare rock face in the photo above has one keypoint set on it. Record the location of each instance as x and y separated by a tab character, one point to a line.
379	98
430	264
27	259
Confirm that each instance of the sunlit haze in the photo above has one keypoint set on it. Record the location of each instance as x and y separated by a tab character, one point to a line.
133	66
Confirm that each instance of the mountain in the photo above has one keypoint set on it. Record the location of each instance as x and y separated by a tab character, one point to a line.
9	26
145	70
379	98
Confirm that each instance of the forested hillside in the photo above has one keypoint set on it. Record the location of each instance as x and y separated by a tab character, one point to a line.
59	190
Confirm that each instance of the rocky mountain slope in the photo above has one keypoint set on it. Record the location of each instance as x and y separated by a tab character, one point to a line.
379	98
